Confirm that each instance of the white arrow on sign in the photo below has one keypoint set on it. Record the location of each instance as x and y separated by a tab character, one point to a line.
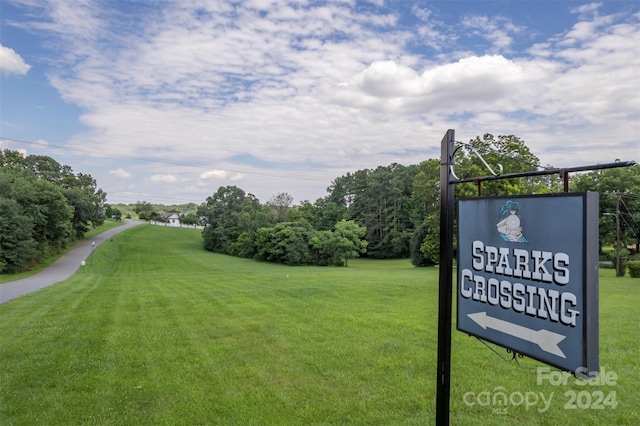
547	340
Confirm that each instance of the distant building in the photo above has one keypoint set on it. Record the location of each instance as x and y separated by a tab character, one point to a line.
171	219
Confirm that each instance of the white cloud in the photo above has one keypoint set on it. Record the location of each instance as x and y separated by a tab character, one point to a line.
465	85
213	174
498	30
293	95
11	62
120	173
164	178
587	9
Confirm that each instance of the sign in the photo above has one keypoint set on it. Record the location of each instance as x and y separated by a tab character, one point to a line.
527	276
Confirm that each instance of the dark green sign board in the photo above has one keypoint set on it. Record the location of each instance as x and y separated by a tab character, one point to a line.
527	276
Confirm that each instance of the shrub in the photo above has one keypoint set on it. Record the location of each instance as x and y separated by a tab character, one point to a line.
624	254
634	268
623	268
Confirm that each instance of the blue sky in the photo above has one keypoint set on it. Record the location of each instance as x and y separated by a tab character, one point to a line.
165	101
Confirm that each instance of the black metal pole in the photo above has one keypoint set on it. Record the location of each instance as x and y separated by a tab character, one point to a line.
618	272
564	172
445	289
445	293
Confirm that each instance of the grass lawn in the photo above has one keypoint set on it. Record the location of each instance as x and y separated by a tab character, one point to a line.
159	331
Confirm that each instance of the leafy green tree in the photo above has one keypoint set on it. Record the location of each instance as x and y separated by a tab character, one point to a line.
426	185
324	245
87	202
44	207
418	258
244	245
323	214
52	226
12	161
190	219
81	191
290	243
304	211
252	219
229	213
145	210
381	201
508	151
619	190
349	239
280	206
264	243
58	205
327	214
18	248
431	245
47	169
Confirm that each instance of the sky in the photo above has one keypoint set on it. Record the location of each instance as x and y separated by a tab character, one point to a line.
166	101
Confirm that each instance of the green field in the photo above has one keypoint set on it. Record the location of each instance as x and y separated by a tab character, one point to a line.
159	331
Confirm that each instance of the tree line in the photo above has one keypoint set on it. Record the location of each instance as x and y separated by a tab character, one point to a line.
44	206
397	207
237	224
386	212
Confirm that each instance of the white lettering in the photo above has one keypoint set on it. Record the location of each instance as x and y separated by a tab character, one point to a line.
534	300
479	292
493	291
568	316
505	294
560	263
540	271
548	304
538	265
522	264
492	258
477	247
503	267
518	297
464	291
537	301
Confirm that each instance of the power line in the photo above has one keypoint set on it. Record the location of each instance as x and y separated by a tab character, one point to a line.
629	213
143	197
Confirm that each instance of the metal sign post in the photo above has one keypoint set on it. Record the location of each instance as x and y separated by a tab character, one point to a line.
445	291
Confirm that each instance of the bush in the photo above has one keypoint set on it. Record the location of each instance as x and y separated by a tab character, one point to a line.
623	268
624	254
634	268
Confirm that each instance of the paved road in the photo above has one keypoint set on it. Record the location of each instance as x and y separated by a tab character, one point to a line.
61	269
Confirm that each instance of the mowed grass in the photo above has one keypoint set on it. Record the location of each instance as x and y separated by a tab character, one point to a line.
159	331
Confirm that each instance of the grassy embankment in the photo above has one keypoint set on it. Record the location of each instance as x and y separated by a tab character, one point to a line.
108	224
159	331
